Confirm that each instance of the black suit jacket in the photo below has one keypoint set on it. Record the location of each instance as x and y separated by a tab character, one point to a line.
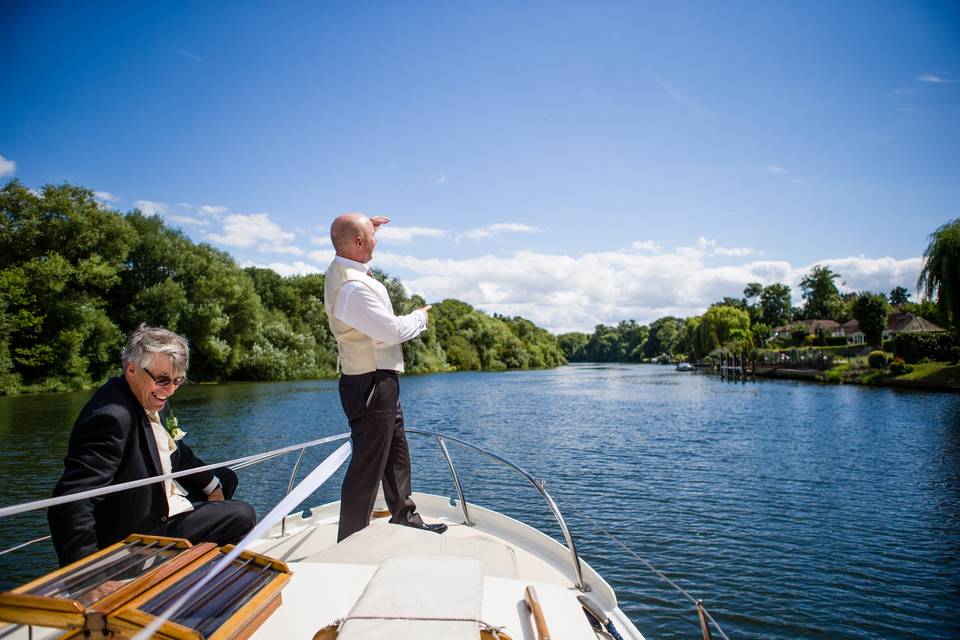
112	442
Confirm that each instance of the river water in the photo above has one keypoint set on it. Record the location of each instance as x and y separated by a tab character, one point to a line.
795	510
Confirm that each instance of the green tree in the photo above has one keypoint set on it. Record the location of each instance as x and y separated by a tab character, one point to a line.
762	332
727	327
940	273
665	334
871	310
899	295
62	255
574	345
821	294
775	304
689	343
752	290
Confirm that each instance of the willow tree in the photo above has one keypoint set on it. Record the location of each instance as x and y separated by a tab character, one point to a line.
940	274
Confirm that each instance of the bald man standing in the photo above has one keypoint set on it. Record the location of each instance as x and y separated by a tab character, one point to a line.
368	337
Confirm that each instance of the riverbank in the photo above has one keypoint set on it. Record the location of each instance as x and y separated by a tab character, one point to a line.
934	376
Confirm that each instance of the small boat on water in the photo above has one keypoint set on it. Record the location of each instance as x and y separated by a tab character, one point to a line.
684	366
488	576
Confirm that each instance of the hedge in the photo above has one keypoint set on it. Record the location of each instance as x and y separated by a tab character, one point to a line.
932	345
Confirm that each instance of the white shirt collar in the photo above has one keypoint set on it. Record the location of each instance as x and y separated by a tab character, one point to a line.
353	264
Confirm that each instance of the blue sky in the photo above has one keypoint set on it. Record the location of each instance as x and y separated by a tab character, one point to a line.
573	163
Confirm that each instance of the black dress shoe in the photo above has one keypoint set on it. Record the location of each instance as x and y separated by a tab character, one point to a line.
436	528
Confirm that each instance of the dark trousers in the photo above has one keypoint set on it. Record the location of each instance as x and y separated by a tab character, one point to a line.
222	522
380	454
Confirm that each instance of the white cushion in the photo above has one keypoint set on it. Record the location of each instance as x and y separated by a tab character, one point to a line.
380	541
419	597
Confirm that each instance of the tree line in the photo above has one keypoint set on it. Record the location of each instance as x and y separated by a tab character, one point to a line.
743	324
76	278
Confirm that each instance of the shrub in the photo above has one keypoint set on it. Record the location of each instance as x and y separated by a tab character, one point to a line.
935	345
898	367
836	341
877	359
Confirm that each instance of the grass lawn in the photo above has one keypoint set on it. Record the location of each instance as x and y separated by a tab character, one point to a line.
934	372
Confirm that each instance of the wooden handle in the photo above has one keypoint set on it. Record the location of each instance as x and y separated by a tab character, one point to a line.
533	603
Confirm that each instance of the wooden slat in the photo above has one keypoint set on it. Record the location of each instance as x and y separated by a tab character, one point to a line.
151	579
268	597
238	627
129	622
258	558
42	617
50	577
533	604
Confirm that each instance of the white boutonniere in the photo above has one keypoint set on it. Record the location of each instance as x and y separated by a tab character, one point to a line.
173	428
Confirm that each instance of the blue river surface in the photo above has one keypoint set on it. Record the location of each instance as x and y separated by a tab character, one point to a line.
794	510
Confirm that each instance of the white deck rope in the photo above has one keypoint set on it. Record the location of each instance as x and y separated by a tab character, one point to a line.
652	568
24	544
300	493
115	488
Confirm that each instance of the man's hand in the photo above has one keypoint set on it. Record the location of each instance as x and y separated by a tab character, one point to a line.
216	495
378	220
426	312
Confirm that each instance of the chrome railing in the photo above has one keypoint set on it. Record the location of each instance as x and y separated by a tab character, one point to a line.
441	442
704	616
538	484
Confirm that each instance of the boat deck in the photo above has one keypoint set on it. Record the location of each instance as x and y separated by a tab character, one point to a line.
329	579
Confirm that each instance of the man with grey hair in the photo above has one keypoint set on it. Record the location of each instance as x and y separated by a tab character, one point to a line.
369	335
124	433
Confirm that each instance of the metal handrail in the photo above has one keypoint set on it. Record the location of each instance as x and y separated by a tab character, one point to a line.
539	484
456	481
293	476
239	463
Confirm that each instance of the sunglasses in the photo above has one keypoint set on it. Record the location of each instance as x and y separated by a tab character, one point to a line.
165	381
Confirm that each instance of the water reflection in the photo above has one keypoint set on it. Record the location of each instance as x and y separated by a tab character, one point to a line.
795	510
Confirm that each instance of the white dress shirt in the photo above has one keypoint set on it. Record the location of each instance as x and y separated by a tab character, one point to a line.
363	310
177	501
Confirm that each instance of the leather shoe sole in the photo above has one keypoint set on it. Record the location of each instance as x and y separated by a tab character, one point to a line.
436	528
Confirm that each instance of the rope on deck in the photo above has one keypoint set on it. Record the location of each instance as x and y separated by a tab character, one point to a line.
696	602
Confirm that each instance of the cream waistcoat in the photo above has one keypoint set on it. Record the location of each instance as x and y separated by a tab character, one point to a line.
177	501
359	353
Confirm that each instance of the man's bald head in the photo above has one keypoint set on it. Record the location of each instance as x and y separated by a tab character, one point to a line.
352	236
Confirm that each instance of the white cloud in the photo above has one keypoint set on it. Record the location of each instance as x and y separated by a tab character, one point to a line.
440	179
873	274
704	247
298	268
565	293
932	78
776	170
737	252
151	208
186	54
406	235
322	256
7	167
164	210
212	210
322	241
682	98
187	220
255	229
646	245
105	196
497	229
280	248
